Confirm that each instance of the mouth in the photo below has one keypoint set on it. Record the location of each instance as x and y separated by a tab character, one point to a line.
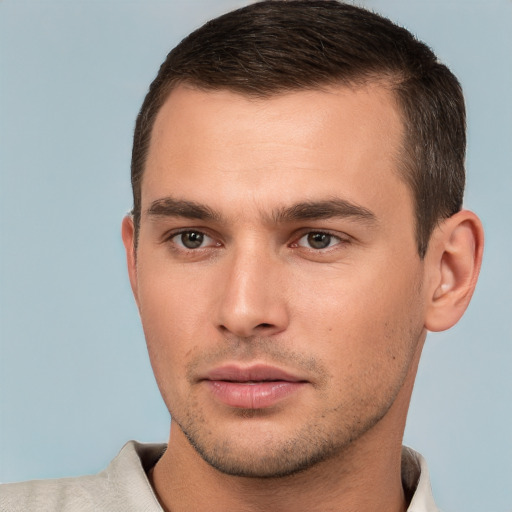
253	387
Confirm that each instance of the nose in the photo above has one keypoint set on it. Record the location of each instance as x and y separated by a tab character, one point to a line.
253	299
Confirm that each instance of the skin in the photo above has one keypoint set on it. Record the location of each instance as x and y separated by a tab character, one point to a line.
348	319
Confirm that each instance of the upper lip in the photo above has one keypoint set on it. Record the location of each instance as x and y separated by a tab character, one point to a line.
254	373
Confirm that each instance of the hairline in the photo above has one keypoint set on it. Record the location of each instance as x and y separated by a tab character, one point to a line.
405	168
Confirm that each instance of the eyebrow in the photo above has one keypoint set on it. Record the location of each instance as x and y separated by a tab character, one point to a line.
318	210
170	207
308	210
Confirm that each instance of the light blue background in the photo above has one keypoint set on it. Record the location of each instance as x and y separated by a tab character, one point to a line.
75	382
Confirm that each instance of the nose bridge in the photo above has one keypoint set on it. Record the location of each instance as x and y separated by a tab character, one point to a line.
252	302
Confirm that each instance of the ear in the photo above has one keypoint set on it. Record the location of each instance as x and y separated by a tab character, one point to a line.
128	234
453	258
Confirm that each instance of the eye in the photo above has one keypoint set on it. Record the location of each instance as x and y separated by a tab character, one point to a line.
193	240
318	240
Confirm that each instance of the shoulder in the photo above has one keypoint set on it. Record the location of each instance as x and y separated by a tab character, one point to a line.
122	486
46	495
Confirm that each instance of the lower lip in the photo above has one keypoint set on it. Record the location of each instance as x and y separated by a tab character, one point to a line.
257	395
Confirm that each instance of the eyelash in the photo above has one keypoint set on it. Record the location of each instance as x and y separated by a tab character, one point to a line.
181	247
339	240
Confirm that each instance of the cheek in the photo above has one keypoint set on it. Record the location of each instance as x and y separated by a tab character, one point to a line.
170	318
364	326
170	299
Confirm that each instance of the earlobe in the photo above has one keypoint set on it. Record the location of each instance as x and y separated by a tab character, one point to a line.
453	259
128	235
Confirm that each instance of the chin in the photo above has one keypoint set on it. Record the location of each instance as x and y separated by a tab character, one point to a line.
268	462
272	453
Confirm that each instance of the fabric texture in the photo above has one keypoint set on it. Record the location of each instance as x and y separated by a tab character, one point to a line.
124	487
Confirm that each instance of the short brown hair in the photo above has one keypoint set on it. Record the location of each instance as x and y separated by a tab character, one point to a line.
277	46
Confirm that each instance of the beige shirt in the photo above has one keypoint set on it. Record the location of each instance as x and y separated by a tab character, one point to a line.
124	486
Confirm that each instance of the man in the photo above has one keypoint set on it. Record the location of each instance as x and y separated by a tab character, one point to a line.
298	171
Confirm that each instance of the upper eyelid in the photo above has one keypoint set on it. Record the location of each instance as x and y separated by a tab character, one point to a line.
306	231
293	238
340	239
171	233
181	248
344	241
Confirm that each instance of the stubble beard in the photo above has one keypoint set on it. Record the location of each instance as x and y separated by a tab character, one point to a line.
306	447
322	435
318	437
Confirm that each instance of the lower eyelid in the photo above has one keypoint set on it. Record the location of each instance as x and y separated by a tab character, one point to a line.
337	239
208	242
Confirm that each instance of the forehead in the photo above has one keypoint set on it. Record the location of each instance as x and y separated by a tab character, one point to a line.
228	149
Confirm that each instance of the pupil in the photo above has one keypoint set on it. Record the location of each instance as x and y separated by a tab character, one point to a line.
192	240
319	240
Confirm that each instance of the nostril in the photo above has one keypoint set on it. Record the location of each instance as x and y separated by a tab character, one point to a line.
264	326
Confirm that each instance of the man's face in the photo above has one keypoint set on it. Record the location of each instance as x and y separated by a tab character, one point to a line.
277	274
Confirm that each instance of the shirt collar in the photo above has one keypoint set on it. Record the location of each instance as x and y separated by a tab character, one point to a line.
416	482
415	476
